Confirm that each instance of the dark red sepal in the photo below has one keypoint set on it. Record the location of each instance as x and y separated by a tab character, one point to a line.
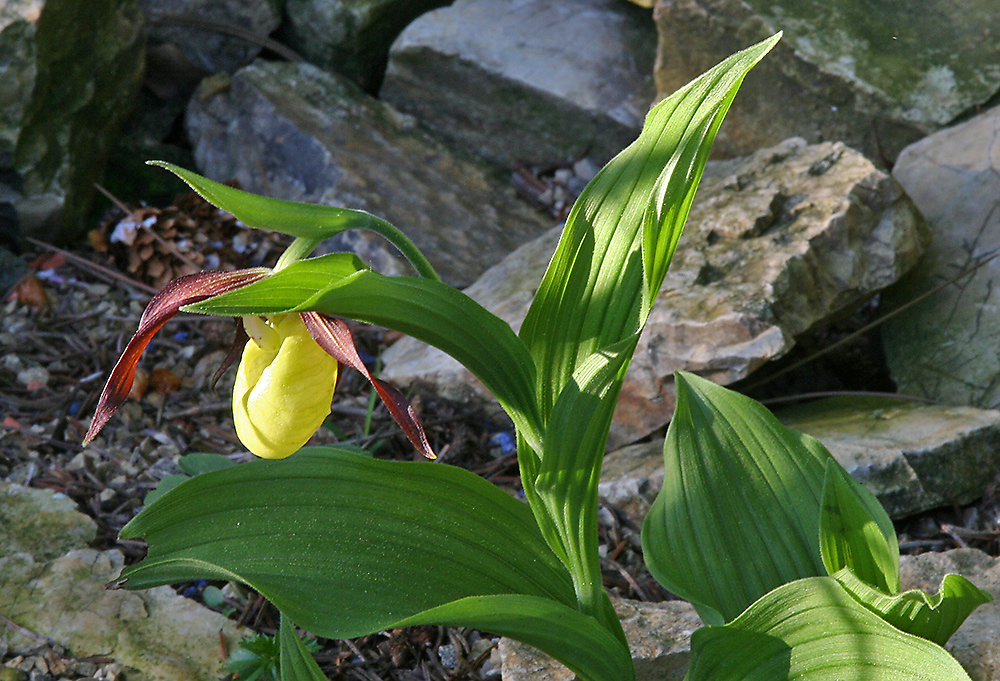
334	337
164	305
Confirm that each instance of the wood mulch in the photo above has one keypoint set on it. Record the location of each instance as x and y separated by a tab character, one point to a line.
63	328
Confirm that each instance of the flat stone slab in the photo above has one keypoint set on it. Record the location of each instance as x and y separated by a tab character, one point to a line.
912	456
945	347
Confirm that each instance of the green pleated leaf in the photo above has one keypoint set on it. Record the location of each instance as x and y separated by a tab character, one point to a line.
569	473
738	514
296	219
934	618
575	639
338	284
373	542
621	233
813	630
593	301
856	532
296	663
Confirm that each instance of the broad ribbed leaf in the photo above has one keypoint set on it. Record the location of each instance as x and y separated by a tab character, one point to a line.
812	630
738	514
347	545
338	284
856	532
935	618
620	235
575	639
296	663
305	220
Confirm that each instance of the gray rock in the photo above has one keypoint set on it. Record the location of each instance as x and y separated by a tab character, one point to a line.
659	637
295	132
350	38
165	636
912	456
875	80
945	347
71	72
976	644
53	588
536	80
777	244
202	29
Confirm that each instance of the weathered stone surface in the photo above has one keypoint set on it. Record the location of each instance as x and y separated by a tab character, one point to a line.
659	637
194	27
536	80
945	347
976	644
165	636
631	477
912	456
294	132
876	81
53	587
777	243
350	38
71	71
41	523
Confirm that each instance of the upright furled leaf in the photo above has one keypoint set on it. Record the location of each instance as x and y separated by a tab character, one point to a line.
587	314
619	236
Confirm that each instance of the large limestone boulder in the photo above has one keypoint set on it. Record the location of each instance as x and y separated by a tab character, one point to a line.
945	347
350	38
777	243
875	80
536	80
295	132
71	72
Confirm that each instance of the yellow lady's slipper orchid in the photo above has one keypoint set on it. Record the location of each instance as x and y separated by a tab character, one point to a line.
286	377
284	386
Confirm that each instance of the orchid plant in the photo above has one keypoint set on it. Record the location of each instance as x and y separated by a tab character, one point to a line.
792	564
